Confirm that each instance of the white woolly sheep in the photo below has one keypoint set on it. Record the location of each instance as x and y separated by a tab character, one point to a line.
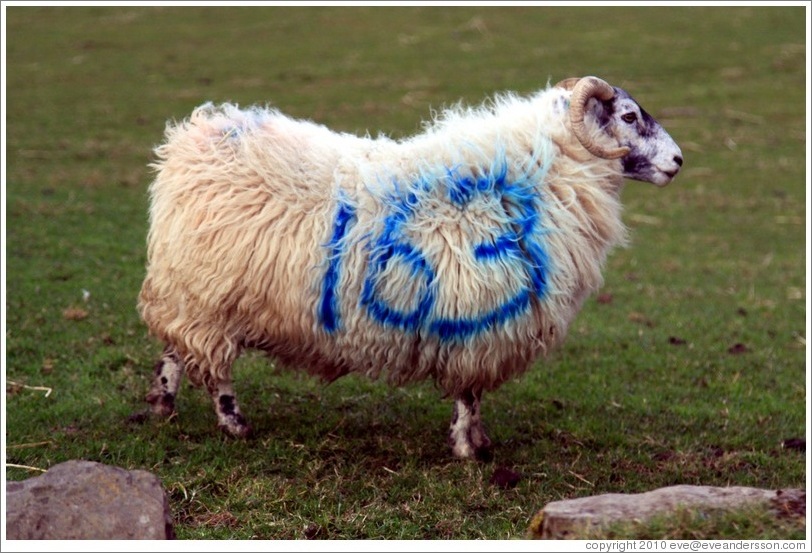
460	254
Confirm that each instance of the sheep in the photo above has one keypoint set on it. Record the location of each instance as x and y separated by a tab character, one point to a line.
460	254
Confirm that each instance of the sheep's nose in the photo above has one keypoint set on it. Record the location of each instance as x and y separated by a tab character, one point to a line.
678	160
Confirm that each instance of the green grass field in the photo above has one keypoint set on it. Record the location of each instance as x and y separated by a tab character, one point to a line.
691	369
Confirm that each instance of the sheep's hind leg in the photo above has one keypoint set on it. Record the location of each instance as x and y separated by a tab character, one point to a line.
229	417
467	436
165	385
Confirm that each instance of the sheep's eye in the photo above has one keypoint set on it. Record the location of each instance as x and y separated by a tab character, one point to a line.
629	117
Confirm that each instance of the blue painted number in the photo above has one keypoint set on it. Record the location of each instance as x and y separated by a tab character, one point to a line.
520	243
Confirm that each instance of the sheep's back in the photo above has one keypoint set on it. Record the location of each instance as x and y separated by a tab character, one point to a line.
238	208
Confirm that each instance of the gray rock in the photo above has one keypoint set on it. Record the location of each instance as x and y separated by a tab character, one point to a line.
562	519
87	500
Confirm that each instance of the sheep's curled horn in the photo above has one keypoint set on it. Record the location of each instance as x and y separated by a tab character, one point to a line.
582	90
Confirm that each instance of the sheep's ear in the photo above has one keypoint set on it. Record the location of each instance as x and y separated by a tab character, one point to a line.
568	84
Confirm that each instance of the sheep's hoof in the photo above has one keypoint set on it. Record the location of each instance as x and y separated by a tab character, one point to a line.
483	454
139	417
237	428
161	403
467	451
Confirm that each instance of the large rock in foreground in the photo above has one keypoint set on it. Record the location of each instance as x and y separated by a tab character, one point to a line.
87	500
563	519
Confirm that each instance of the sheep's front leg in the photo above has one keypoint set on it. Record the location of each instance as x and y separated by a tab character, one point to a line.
467	437
229	417
165	385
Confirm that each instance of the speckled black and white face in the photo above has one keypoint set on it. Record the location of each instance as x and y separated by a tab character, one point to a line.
653	155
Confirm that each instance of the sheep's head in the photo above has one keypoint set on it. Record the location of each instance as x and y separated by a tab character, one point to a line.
647	152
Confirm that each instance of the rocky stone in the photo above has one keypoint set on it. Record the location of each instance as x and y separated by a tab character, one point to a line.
88	500
563	519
